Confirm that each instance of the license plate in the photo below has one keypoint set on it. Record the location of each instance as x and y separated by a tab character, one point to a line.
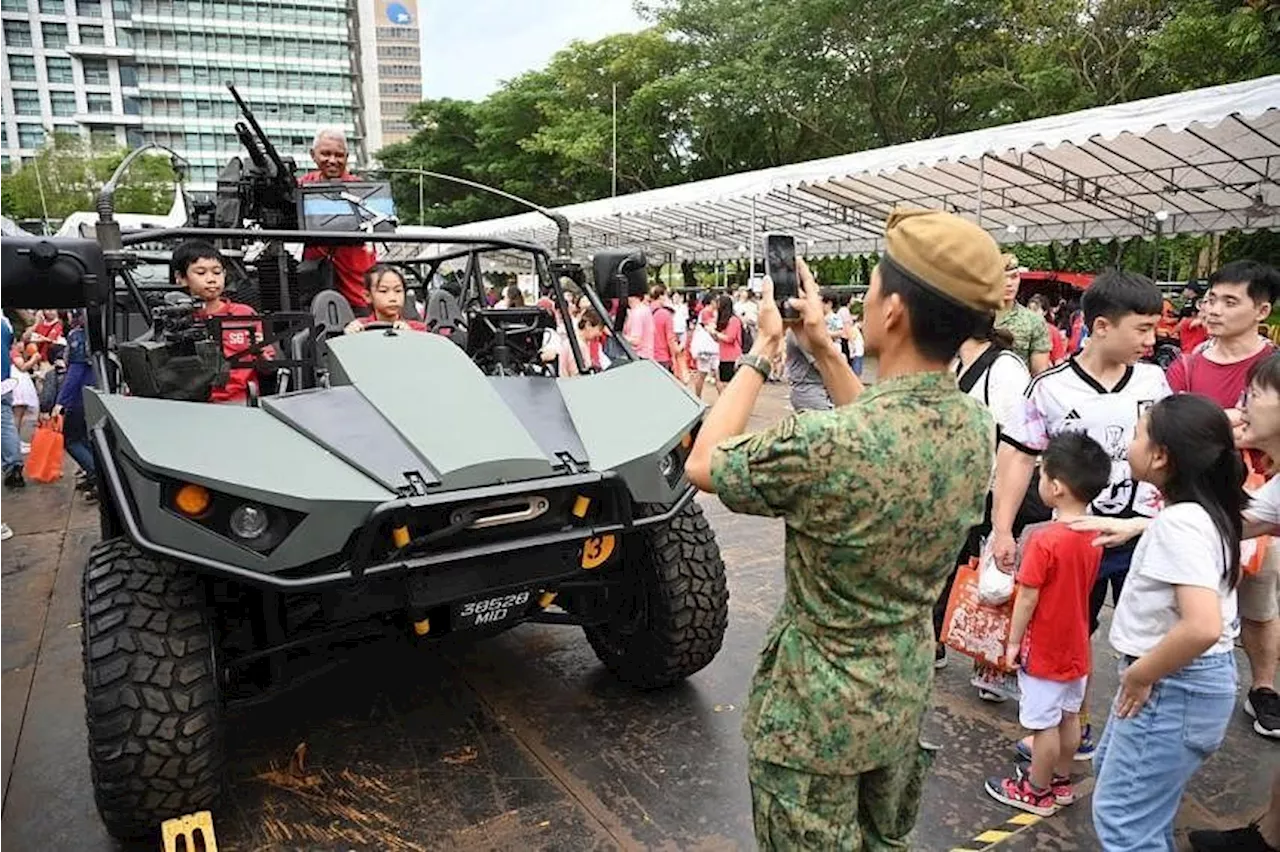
497	609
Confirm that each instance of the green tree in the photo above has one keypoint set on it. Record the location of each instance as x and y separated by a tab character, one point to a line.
717	87
547	135
66	174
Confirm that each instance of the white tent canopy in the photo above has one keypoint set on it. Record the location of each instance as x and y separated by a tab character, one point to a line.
1198	162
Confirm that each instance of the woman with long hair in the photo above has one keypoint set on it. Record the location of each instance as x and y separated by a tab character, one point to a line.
1174	626
729	334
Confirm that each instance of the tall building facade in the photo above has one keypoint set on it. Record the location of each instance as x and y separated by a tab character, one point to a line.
391	63
125	72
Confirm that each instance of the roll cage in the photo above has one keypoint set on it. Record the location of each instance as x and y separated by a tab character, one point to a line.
117	314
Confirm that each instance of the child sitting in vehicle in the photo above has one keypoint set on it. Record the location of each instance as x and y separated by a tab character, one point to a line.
385	288
200	268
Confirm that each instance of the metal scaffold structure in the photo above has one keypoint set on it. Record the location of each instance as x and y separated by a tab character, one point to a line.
1199	162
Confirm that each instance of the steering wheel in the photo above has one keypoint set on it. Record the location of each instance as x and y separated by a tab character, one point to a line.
379	325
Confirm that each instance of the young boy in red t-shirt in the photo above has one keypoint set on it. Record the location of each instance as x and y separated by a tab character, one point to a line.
200	268
1049	638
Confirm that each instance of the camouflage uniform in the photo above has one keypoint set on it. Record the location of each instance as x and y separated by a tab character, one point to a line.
878	497
1030	334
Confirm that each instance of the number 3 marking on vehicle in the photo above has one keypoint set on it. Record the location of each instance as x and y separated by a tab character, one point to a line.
596	551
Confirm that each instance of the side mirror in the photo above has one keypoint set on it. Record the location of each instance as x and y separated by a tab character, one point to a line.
620	273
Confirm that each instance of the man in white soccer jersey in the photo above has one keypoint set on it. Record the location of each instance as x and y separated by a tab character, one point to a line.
1102	392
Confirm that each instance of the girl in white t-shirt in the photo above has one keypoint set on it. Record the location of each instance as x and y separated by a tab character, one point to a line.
1174	625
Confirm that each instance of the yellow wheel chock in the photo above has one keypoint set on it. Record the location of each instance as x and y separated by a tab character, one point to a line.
187	827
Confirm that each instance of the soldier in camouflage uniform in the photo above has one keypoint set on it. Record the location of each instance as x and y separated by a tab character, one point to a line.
878	496
1030	335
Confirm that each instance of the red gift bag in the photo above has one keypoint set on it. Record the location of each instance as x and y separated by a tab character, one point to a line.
973	628
44	462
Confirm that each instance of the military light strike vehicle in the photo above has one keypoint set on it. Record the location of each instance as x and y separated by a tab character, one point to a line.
377	483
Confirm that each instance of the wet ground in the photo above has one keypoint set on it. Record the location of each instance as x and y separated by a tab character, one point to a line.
517	742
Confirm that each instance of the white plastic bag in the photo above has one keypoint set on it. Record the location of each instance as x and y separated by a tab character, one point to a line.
704	345
994	586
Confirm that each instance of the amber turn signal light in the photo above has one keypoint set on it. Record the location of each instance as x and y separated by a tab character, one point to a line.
192	500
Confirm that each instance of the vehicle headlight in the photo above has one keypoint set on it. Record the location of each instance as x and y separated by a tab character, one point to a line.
257	526
248	521
667	465
671	467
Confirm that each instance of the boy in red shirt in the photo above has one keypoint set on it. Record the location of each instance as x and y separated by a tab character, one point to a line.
1049	637
385	291
200	269
46	332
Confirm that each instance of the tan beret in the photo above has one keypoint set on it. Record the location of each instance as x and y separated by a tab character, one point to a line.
948	254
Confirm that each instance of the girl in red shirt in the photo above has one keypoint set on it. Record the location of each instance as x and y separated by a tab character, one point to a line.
729	333
384	287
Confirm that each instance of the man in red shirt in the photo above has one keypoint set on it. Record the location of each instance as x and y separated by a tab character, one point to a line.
1049	637
350	262
1239	298
665	345
199	268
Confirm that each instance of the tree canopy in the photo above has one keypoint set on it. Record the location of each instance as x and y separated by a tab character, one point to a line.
67	173
722	86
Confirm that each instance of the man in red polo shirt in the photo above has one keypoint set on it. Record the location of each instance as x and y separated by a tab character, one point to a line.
665	346
350	262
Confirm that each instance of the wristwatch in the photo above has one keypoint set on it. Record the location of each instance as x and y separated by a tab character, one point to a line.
759	363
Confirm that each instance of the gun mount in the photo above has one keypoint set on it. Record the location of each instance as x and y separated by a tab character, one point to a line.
262	190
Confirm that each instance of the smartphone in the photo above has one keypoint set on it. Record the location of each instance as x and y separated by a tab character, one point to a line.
780	266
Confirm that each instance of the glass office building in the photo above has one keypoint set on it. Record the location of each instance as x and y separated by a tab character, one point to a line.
124	72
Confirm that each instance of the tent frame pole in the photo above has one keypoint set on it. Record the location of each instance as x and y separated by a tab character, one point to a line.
982	179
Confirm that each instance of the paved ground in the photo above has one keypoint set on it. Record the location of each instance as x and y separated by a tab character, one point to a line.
522	741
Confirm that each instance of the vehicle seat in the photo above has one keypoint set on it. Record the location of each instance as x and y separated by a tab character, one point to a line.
332	312
410	309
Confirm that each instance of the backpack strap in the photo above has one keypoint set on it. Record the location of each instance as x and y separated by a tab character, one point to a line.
978	368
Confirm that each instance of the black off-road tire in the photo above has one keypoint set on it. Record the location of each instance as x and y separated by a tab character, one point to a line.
152	701
680	581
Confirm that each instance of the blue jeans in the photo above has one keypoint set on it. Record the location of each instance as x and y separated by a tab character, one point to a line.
1142	764
75	435
12	446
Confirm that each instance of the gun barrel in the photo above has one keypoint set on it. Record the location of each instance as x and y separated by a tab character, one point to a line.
250	143
265	144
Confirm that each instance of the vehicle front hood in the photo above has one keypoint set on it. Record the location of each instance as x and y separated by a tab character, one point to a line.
408	413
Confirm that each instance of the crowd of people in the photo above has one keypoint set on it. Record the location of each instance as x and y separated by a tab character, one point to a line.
45	370
1072	461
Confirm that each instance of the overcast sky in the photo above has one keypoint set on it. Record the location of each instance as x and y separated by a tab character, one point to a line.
471	46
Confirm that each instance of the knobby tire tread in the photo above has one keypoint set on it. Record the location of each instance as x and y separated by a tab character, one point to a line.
152	702
688	607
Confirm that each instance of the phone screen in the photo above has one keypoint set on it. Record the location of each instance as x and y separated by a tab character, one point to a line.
780	266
